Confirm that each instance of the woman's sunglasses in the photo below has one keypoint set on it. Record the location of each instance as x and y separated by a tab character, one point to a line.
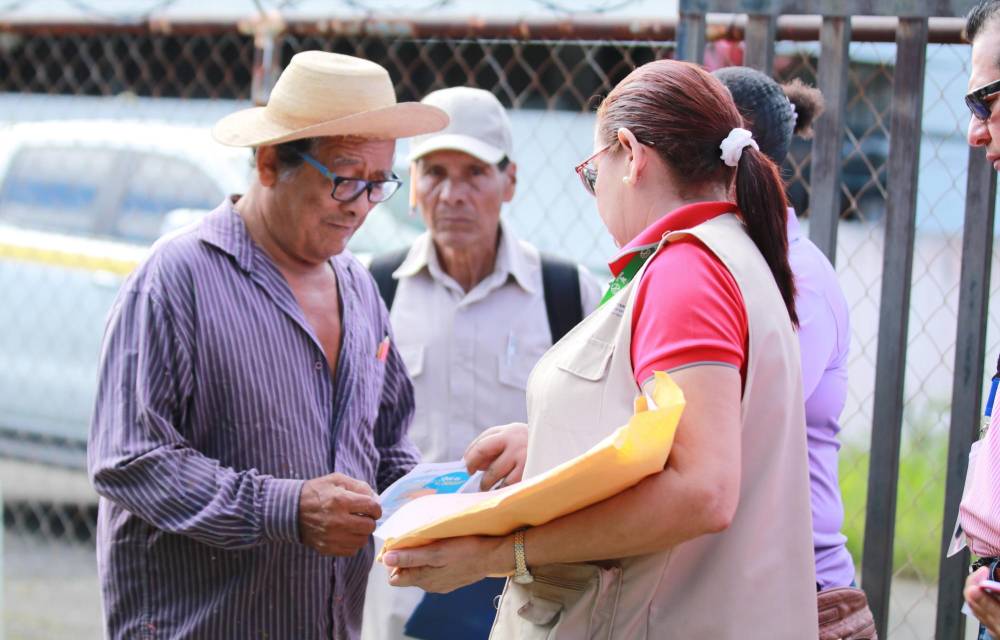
978	100
588	171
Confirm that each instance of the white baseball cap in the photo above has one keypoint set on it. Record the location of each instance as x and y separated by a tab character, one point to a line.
479	125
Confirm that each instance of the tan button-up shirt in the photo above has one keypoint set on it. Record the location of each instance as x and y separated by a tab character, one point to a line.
469	353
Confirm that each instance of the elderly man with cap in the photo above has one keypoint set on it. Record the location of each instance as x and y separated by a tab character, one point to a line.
473	308
250	396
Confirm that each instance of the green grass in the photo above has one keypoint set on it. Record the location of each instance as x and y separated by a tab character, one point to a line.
920	496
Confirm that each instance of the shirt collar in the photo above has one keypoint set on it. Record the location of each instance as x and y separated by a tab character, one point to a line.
510	260
224	228
685	217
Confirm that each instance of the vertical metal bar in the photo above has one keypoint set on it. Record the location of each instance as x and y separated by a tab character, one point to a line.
691	37
894	313
970	345
267	30
824	190
759	41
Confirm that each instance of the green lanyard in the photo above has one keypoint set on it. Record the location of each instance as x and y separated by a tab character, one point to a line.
618	282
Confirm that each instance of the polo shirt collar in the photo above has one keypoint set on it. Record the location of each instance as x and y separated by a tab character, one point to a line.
510	260
513	259
685	217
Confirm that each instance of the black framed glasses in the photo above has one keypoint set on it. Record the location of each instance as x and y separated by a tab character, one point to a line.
348	189
587	170
977	100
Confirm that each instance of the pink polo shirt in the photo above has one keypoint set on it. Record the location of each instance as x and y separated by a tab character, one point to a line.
688	307
980	508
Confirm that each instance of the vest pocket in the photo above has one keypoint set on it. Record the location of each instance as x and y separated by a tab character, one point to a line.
589	362
565	601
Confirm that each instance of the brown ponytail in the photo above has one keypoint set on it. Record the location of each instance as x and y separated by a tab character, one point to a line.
760	194
684	113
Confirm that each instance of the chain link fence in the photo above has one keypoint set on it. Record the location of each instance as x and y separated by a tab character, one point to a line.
104	146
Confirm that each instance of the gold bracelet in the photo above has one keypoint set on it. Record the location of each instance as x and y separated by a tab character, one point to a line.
521	573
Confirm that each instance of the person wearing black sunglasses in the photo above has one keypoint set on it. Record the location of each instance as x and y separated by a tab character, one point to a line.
982	29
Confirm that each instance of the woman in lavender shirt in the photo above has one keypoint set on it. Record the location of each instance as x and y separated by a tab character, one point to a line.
774	114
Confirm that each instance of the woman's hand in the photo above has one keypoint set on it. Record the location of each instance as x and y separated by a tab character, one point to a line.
446	565
500	453
984	605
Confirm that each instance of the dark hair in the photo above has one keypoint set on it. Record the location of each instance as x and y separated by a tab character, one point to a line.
980	15
809	105
773	112
288	153
684	113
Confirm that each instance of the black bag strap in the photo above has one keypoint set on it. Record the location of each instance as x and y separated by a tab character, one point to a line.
561	288
381	269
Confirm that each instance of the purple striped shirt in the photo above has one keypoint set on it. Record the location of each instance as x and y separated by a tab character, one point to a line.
215	404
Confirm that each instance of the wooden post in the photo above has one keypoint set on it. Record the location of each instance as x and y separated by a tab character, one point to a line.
970	344
691	37
894	313
759	40
827	161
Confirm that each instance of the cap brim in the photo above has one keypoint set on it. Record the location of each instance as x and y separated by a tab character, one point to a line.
457	142
252	127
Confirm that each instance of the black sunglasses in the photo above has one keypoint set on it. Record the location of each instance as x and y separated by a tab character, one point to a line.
976	99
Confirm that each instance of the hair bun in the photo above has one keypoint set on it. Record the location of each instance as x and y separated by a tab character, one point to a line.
807	104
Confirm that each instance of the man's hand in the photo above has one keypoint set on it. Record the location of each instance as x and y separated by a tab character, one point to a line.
500	453
985	606
337	514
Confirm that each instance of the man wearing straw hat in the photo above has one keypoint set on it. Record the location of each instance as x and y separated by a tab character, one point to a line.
251	400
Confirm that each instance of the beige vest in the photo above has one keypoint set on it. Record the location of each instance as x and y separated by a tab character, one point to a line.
754	580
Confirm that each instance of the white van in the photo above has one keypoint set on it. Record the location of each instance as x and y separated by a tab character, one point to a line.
80	203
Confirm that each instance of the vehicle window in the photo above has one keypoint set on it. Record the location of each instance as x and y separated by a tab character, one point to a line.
157	185
56	188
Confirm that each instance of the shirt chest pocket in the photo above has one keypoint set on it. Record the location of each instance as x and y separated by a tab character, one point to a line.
589	362
413	358
514	371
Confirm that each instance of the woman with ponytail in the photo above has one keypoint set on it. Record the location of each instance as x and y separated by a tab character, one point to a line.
774	113
719	544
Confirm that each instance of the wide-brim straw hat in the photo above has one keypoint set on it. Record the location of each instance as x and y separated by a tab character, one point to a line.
329	94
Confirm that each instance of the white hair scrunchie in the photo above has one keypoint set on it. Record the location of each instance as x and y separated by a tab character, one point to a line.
732	147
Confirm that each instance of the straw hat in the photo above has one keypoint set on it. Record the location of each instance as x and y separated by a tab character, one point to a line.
329	94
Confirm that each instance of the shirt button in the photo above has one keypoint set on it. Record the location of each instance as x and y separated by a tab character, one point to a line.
319	365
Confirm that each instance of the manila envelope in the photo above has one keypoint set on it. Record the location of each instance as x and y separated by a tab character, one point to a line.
621	460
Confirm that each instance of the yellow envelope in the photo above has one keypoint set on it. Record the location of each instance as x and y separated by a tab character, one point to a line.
616	463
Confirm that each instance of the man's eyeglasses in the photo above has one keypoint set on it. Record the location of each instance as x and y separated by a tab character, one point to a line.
588	171
977	99
348	189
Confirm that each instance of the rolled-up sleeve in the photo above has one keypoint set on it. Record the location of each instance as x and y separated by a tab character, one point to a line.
138	456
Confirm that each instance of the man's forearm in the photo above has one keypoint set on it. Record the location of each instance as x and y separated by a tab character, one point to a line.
181	491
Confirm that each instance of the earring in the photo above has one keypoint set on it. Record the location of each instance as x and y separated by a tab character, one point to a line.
626	180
